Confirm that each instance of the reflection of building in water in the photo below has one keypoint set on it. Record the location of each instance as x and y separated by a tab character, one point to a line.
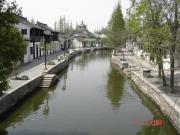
46	107
72	66
64	81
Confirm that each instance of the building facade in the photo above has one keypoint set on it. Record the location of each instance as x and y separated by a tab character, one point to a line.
35	36
32	36
82	37
51	38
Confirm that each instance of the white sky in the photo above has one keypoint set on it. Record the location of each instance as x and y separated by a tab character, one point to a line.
94	13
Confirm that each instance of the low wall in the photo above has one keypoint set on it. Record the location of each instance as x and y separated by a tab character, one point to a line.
12	98
15	96
58	67
166	105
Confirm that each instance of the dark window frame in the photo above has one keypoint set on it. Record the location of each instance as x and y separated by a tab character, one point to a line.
23	31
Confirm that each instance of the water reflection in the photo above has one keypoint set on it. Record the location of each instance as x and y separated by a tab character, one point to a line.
46	107
86	58
115	86
165	129
28	107
83	103
63	78
64	81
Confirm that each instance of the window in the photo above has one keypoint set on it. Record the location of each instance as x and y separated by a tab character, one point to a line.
32	50
24	31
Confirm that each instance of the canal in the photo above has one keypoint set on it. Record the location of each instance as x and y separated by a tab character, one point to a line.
92	97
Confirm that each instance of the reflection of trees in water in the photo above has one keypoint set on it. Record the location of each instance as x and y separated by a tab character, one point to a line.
115	86
30	105
166	129
85	58
3	132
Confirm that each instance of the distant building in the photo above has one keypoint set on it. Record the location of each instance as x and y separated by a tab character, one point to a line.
82	37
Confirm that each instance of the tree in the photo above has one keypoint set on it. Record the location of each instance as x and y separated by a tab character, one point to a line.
71	26
61	24
155	31
64	25
134	23
171	12
159	22
55	26
116	28
33	21
12	47
149	13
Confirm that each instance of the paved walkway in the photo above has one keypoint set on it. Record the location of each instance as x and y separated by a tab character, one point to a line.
138	65
39	61
32	70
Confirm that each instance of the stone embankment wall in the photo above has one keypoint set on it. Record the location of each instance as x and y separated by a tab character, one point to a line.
10	99
165	103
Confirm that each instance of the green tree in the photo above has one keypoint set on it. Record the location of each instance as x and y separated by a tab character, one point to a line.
171	12
146	17
12	47
133	23
154	30
116	28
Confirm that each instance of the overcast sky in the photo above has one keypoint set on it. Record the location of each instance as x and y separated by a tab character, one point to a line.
94	13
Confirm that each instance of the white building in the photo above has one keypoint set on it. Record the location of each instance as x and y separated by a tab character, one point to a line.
83	38
32	35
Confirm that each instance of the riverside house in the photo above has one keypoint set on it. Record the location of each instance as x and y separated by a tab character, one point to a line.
32	35
51	38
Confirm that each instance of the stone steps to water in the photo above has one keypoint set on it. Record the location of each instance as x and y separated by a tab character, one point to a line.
48	80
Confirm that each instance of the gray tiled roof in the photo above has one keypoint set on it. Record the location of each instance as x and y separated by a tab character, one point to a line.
83	34
27	22
45	27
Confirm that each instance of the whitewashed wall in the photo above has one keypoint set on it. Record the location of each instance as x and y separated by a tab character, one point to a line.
77	43
20	26
27	57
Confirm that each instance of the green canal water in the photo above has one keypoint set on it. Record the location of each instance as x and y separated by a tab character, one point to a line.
92	98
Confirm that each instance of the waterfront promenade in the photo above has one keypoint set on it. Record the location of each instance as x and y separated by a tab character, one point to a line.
35	71
32	70
168	102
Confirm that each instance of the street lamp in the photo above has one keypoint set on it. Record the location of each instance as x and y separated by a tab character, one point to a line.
44	47
65	44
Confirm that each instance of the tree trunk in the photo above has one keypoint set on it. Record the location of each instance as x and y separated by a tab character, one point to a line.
123	54
172	58
174	29
163	76
114	52
159	69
